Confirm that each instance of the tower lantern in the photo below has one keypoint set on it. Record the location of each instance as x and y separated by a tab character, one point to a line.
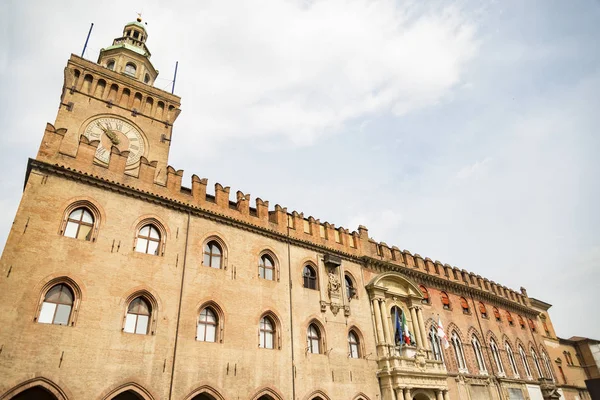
129	54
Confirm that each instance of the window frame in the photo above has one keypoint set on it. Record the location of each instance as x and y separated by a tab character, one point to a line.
483	310
91	208
351	291
479	358
152	318
445	298
77	295
354	345
497	358
525	363
149	239
426	297
314	279
137	316
464	304
275	266
459	353
436	344
511	359
159	226
319	338
536	362
57	304
206	323
129	73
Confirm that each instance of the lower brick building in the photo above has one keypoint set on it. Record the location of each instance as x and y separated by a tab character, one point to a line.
120	283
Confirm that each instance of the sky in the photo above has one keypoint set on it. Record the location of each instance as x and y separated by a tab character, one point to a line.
465	131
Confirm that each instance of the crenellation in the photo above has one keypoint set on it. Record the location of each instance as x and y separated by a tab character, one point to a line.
174	178
117	162
199	189
222	195
278	216
243	202
50	142
147	170
420	263
262	209
409	259
86	150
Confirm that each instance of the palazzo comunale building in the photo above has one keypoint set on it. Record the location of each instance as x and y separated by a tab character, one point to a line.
120	283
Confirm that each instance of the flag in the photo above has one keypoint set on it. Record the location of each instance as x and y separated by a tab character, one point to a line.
442	335
405	329
398	334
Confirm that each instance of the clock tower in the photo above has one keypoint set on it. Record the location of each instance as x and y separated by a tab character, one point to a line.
112	102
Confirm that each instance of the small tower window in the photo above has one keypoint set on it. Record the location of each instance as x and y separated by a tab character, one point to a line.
136	34
130	69
111	65
146	78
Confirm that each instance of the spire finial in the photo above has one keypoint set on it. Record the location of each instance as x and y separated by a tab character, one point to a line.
139	18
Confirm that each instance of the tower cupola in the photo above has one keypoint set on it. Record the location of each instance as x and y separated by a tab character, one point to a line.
129	54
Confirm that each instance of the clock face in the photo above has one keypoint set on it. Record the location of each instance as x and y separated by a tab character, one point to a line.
111	131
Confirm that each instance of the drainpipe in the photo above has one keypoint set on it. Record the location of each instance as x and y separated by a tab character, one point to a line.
187	234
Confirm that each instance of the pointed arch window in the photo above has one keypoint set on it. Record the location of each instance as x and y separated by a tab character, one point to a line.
57	306
425	299
213	255
309	277
497	358
80	224
531	325
525	363
350	287
509	318
266	333
482	310
208	324
138	316
436	345
511	358
479	355
465	306
548	365
313	338
445	300
266	267
353	345
148	240
459	353
536	362
521	322
497	314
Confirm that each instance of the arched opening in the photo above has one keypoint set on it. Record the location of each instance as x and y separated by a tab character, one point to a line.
203	396
421	396
35	393
265	397
128	395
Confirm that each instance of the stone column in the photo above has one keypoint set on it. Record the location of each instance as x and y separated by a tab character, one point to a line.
407	395
386	325
378	327
400	394
422	327
416	329
446	395
439	395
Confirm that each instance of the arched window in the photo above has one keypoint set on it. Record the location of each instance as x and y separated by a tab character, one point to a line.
459	353
497	358
536	361
313	338
130	69
111	65
425	299
525	363
546	329
350	289
309	277
148	240
80	224
213	255
465	306
478	355
511	358
482	310
548	365
521	322
436	346
497	314
267	333
531	325
208	323
266	267
353	345
445	300
146	79
509	318
57	305
138	316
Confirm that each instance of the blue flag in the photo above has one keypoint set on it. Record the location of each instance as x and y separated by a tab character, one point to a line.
398	336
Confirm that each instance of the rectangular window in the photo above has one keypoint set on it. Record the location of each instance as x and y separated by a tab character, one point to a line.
142	325
47	313
130	323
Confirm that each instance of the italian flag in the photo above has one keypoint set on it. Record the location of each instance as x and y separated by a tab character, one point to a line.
405	329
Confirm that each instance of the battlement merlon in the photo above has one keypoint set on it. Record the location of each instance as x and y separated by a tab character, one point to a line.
295	224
